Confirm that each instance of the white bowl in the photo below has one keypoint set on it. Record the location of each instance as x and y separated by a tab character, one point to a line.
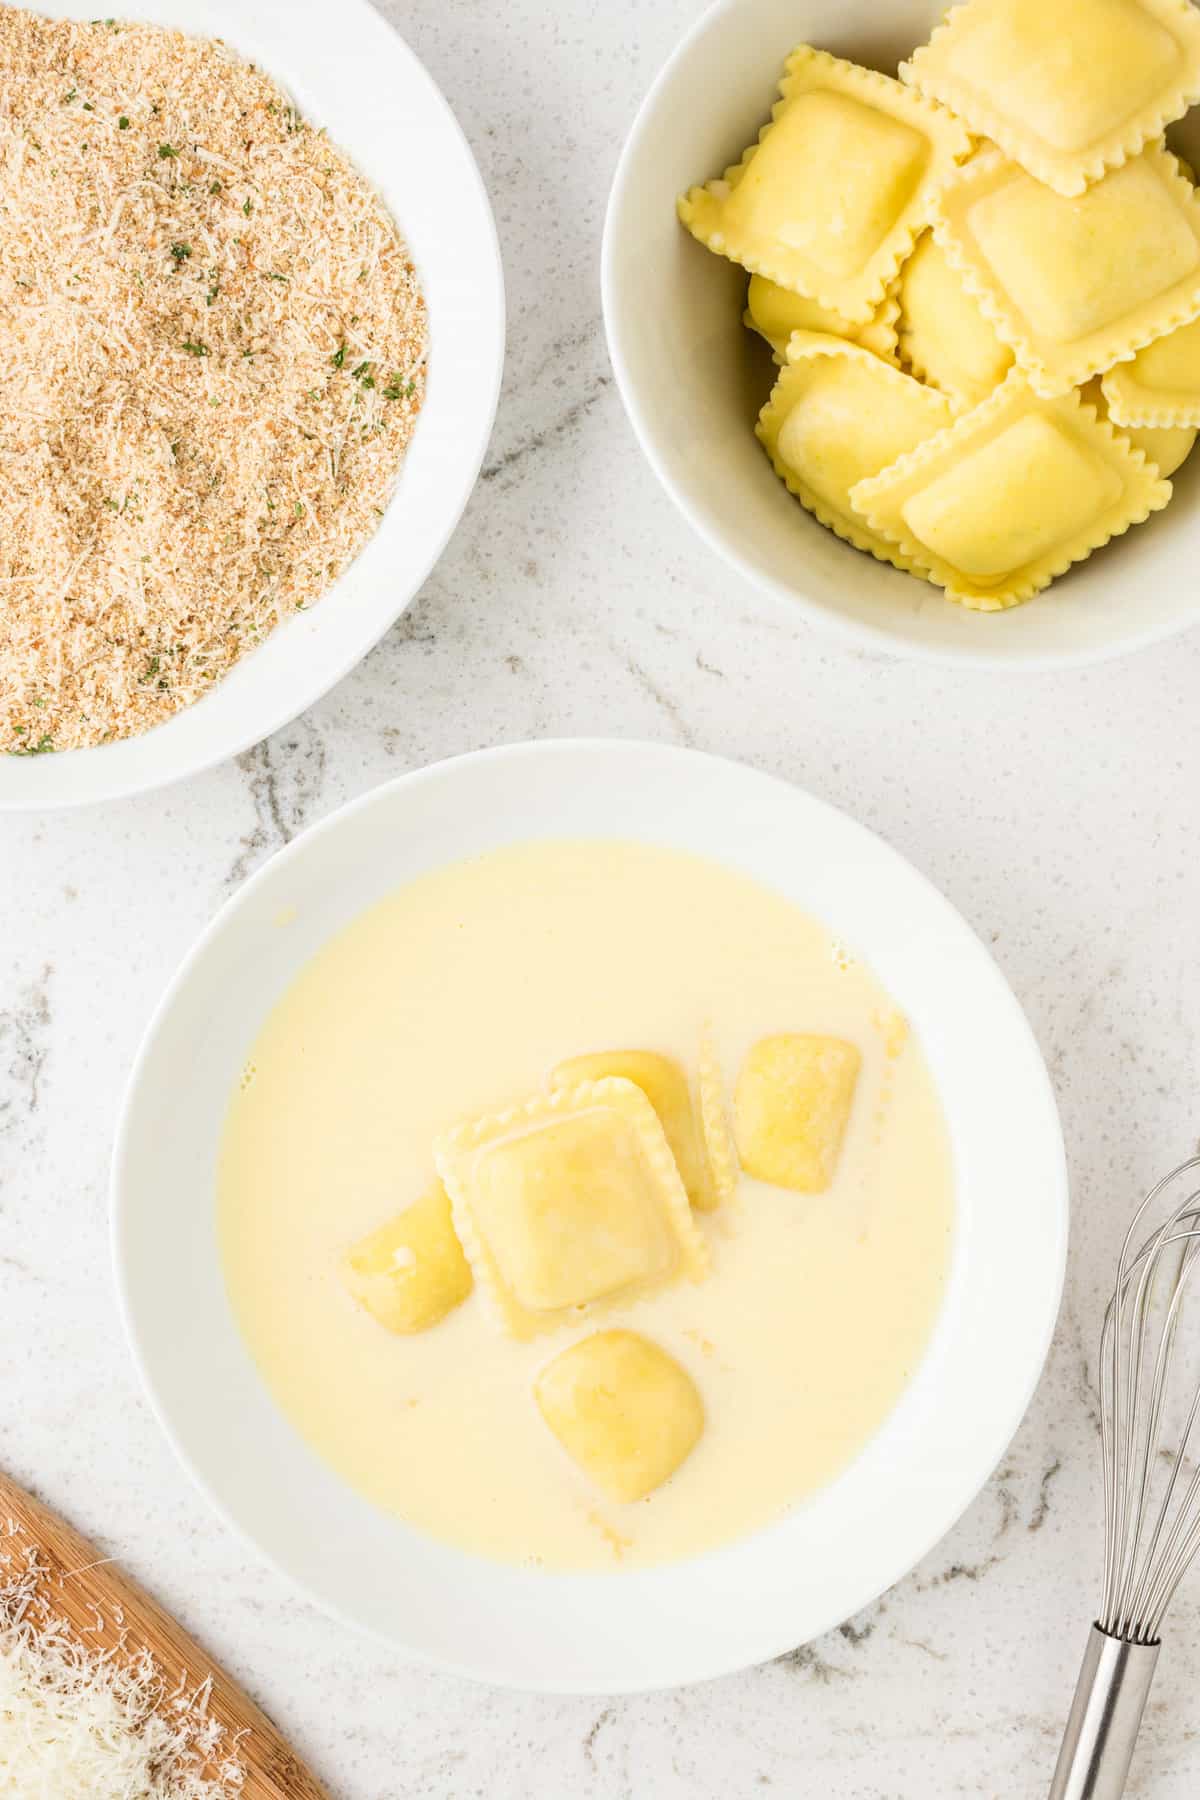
754	1598
350	72
693	379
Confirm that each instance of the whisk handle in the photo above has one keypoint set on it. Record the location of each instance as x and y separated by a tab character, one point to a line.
1110	1698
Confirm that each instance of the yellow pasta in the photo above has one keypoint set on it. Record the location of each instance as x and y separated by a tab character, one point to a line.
714	1122
1011	495
1166	446
1069	89
568	1199
1074	286
775	312
1161	384
792	1103
666	1087
411	1272
836	415
841	180
623	1410
1022	255
943	334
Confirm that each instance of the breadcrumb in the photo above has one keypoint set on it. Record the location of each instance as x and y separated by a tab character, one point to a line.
212	357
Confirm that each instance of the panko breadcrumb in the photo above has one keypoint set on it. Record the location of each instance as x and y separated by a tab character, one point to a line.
212	358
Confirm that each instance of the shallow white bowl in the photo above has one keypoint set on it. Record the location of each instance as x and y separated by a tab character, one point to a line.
768	1592
350	72
693	379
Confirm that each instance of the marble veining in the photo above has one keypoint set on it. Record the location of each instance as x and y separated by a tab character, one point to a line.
284	774
1058	813
24	1049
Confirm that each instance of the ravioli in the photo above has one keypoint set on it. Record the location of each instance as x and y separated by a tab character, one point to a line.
714	1121
1073	286
411	1272
836	415
1011	495
841	180
1166	446
944	336
1161	384
1068	89
623	1410
666	1087
774	312
567	1199
791	1104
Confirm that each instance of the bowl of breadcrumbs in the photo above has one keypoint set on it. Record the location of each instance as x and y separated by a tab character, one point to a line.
250	350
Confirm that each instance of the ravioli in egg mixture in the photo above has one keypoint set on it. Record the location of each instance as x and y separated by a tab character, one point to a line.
584	1205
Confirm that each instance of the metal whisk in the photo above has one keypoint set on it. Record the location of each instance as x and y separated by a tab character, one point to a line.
1151	1490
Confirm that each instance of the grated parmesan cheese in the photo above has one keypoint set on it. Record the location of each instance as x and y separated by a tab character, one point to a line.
77	1725
212	358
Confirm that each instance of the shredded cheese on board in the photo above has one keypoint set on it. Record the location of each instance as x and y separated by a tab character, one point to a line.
78	1725
212	358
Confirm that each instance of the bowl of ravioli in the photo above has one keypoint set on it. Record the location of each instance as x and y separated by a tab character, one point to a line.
590	1214
903	308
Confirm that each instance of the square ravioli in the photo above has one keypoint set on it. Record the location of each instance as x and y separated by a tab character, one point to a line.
1011	495
841	180
714	1121
774	312
1074	286
623	1410
569	1198
1069	89
666	1088
411	1272
1165	446
943	334
791	1105
1161	384
837	414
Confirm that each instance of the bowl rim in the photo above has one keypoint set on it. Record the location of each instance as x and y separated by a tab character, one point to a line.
705	1665
80	773
793	603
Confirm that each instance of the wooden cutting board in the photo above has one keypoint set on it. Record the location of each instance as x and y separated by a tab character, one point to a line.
93	1595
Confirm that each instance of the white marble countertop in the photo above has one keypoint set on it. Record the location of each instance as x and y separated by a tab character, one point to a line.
1059	813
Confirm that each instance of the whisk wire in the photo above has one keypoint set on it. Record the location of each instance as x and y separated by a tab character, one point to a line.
1148	1542
1148	1589
1136	1559
1112	1409
1131	1434
1151	1490
1172	1581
